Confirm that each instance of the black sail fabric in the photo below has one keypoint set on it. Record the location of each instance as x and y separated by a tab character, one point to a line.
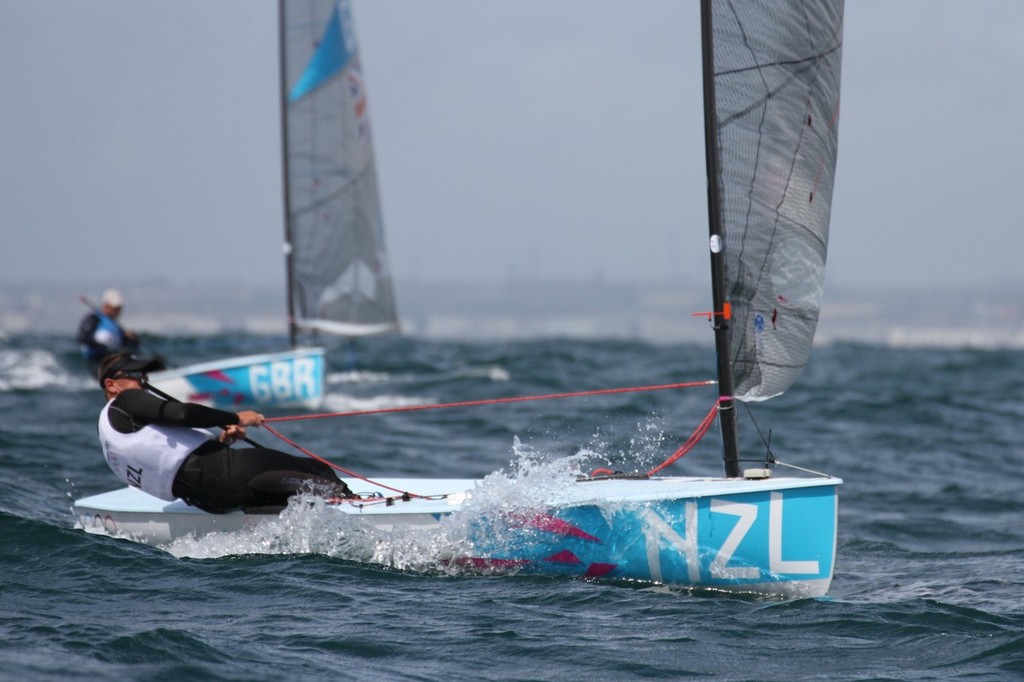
777	72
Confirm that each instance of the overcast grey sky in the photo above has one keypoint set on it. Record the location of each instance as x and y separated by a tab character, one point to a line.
534	139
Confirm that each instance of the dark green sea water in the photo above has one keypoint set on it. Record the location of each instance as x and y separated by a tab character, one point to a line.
930	568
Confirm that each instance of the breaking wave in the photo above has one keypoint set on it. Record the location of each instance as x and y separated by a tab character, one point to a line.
37	369
309	525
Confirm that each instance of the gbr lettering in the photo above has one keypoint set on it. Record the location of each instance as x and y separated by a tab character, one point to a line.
273	381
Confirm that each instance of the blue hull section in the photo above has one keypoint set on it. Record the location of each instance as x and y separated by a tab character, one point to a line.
771	537
736	542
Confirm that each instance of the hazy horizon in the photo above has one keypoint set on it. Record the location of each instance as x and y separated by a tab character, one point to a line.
662	312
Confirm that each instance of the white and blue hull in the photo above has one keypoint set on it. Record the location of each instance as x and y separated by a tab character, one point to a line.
774	536
294	378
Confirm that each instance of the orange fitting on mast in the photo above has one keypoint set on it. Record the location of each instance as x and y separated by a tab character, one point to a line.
725	313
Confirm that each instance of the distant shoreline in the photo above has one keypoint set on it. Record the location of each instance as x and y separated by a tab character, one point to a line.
658	312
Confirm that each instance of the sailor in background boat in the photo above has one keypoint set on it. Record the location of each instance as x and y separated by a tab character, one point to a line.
163	447
100	334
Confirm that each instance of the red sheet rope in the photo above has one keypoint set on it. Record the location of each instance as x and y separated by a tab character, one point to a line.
694	438
491	401
339	468
698	433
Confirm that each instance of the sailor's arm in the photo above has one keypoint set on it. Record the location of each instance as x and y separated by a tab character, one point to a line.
149	408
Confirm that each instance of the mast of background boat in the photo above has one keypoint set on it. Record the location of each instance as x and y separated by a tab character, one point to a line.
292	334
720	318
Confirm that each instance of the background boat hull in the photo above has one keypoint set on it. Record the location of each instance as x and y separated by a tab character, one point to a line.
292	378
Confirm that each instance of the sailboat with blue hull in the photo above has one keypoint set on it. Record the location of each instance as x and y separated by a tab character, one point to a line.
771	81
336	264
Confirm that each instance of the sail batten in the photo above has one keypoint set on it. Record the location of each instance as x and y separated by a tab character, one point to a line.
339	277
776	85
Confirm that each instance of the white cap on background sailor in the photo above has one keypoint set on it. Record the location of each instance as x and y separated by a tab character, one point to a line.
113	298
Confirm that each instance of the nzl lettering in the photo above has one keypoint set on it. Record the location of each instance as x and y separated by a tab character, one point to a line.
746	513
134	476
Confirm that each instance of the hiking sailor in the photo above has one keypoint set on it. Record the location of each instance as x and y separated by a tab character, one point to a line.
163	447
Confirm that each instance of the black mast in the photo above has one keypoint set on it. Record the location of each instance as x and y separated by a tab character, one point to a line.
720	317
292	340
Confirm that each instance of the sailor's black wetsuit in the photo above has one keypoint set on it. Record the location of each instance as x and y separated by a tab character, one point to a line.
212	476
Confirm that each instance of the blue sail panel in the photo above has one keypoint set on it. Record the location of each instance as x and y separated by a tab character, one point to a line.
331	56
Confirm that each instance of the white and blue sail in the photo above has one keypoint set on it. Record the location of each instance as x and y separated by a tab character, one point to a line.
338	273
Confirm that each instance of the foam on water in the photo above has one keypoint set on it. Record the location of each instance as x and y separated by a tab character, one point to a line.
308	526
36	369
345	402
311	526
649	446
358	377
528	486
341	402
493	373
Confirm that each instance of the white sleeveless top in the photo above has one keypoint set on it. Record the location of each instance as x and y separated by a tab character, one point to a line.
149	458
